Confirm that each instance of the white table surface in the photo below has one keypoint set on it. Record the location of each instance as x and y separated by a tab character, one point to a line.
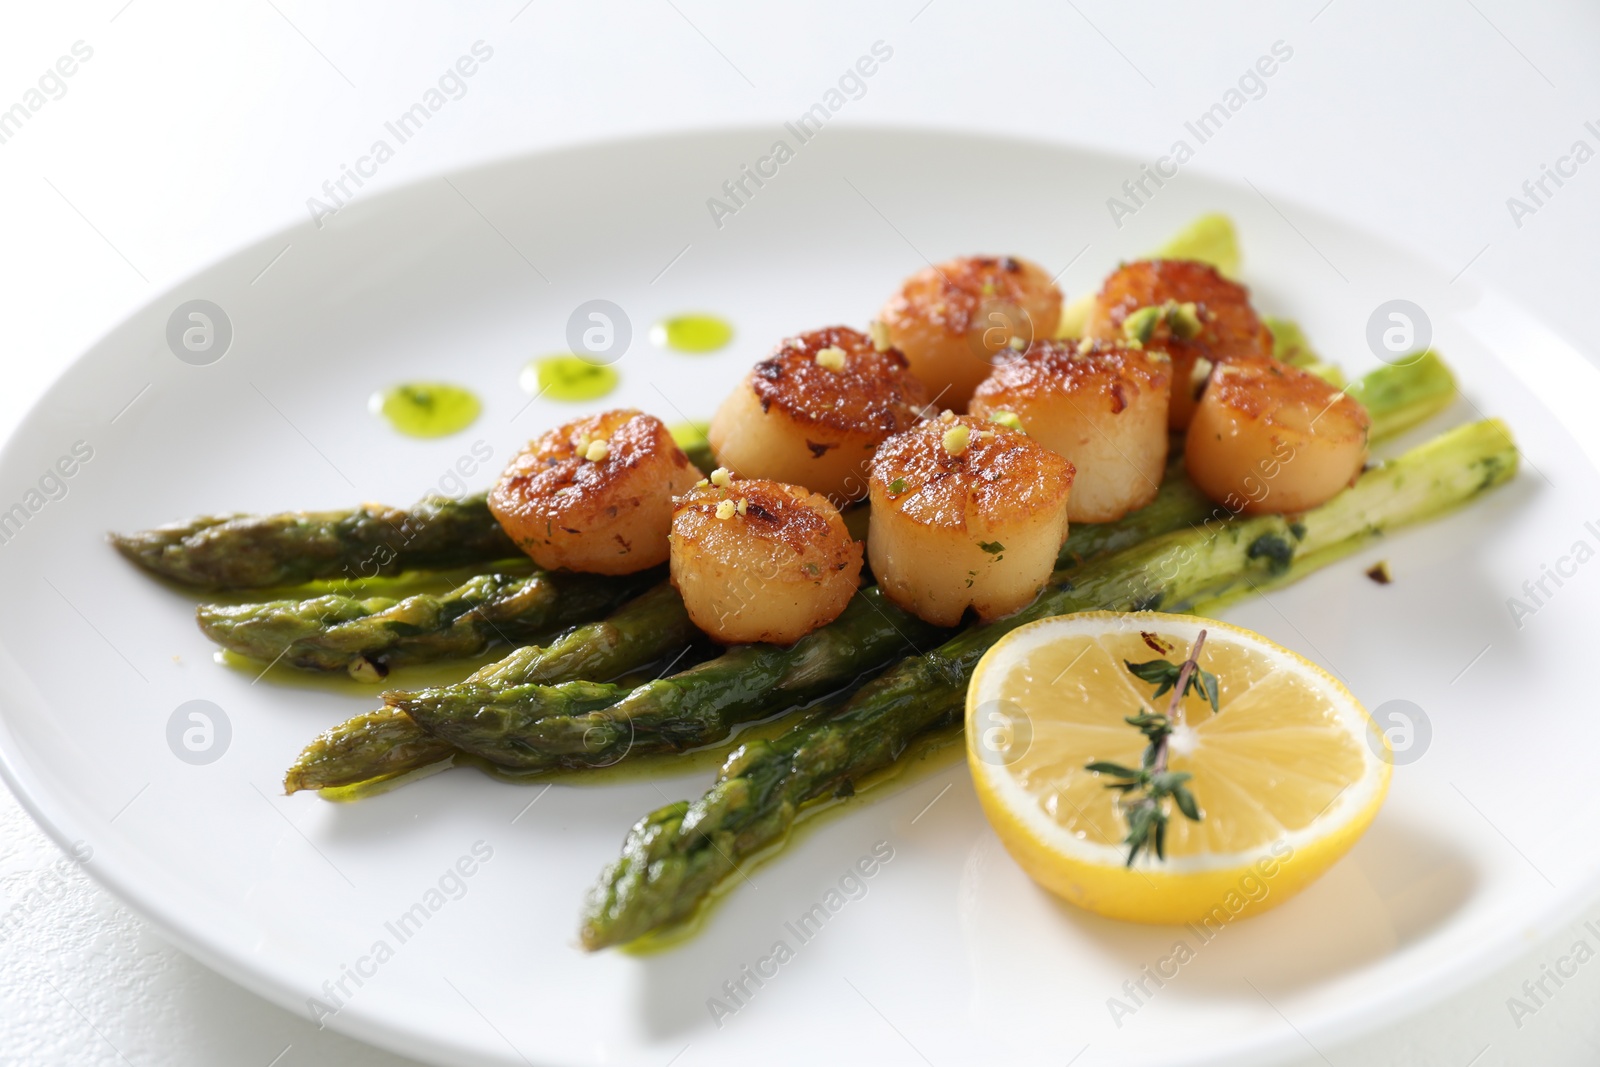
197	126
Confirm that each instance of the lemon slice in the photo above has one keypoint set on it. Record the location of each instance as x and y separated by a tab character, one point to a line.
1288	773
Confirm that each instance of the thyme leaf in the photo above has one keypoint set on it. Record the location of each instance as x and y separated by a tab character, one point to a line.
1145	790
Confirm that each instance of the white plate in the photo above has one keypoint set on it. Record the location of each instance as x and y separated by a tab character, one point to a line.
950	952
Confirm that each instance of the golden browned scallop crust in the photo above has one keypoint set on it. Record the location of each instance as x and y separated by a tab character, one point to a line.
759	560
953	319
1229	326
1002	475
1109	370
874	392
794	521
1289	397
813	412
608	515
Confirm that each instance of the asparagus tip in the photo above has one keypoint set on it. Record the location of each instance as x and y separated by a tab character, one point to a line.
129	547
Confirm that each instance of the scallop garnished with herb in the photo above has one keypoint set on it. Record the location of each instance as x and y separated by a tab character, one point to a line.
965	513
758	560
1101	405
1186	309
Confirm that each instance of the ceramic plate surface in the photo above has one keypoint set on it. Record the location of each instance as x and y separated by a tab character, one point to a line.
947	951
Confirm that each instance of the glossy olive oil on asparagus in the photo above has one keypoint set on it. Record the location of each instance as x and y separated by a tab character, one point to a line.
368	637
292	548
388	742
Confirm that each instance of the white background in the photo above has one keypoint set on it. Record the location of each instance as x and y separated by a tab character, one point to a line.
197	127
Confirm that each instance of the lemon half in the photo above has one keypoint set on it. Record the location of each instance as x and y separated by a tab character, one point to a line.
1288	773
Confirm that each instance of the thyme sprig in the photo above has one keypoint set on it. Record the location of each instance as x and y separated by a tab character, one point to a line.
1145	790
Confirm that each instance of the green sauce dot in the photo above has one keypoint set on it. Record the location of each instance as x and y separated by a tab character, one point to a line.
692	333
568	377
427	409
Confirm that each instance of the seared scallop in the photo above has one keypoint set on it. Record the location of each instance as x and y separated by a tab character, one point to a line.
595	494
1268	437
1101	405
813	412
1186	309
757	560
956	320
965	512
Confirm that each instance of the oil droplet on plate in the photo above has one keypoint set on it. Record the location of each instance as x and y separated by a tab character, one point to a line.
692	333
565	376
689	435
693	438
426	409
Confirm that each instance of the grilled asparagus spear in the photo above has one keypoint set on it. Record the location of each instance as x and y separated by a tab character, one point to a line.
388	742
367	637
568	725
652	626
370	747
675	856
291	548
1398	397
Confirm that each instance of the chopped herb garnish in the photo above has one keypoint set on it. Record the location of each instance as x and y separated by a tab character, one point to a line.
1274	549
994	548
1165	675
1139	325
1146	789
